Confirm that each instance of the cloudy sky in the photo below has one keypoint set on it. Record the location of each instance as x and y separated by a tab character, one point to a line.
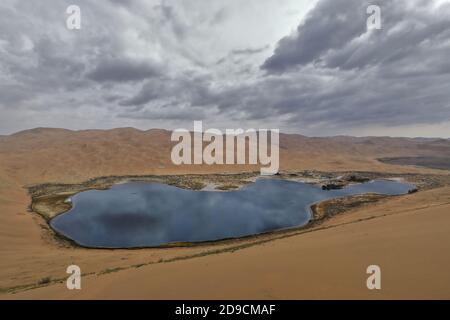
304	66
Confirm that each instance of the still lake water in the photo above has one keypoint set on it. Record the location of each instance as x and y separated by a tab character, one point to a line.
140	214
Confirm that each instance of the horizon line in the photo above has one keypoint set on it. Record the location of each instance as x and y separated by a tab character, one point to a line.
170	130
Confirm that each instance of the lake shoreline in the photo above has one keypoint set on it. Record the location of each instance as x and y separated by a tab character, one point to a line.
50	199
435	185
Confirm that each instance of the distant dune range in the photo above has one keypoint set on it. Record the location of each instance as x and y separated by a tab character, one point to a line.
410	236
46	155
422	161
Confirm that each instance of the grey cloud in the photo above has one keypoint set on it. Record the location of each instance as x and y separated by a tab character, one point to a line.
328	26
11	95
249	51
124	3
237	56
220	16
390	77
145	61
169	111
334	35
122	70
151	90
192	90
170	17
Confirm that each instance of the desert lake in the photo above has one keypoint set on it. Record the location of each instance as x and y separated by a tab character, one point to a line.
143	214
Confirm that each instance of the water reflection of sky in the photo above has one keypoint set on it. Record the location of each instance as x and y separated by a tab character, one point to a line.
150	214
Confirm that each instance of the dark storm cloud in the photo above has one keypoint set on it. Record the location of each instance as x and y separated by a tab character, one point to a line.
122	70
330	25
387	77
183	89
334	35
334	73
172	61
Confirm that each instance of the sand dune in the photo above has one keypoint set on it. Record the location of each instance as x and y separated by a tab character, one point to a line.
408	236
410	244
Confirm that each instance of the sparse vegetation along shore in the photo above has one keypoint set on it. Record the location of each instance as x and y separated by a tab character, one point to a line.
49	200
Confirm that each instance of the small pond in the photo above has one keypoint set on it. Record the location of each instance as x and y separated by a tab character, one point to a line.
143	214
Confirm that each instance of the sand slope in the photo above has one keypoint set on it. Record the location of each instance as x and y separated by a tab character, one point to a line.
409	241
411	245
